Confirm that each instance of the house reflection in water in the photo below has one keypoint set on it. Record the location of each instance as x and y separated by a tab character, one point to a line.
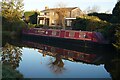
111	62
67	54
57	65
12	55
60	53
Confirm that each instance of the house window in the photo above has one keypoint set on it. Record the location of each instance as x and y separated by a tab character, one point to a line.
69	22
53	22
71	34
45	13
53	13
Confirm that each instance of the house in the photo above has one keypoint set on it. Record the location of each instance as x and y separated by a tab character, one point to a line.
49	16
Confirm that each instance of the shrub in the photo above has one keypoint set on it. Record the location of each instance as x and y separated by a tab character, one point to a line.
109	33
31	25
117	44
12	26
89	23
102	16
31	17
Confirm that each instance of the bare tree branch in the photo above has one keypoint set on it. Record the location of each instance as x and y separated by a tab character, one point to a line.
61	11
92	9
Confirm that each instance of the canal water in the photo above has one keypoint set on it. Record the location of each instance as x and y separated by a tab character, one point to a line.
30	59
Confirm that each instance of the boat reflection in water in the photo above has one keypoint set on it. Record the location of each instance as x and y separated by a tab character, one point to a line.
59	56
60	53
110	61
66	54
57	65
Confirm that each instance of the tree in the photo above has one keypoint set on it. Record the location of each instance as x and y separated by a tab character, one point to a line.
12	9
31	17
12	12
102	16
62	13
11	55
117	44
92	9
116	13
57	66
0	8
116	19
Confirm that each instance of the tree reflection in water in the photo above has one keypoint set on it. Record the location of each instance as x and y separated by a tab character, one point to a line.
111	62
57	66
11	57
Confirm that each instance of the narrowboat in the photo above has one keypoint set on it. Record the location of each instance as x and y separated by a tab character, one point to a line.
68	37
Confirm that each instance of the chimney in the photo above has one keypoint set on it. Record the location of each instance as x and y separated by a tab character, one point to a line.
46	7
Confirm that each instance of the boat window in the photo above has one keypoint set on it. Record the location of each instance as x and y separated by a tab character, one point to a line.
57	33
36	31
71	34
67	34
81	35
53	33
84	35
46	32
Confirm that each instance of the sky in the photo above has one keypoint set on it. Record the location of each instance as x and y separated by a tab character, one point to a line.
103	5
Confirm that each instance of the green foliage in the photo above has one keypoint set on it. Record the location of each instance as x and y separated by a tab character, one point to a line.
31	25
117	44
28	13
102	16
109	33
11	57
79	24
11	15
116	21
116	10
9	72
39	25
116	13
31	17
89	23
13	26
12	9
